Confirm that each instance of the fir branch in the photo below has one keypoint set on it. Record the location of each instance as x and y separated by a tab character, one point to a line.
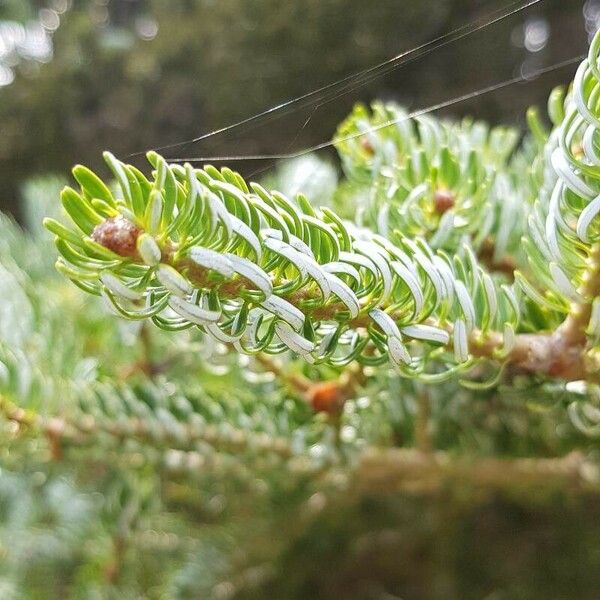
201	247
387	295
314	284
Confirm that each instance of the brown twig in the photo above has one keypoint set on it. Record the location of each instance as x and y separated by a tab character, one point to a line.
505	265
296	382
53	428
388	469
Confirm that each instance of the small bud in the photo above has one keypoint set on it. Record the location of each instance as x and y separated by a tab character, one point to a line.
117	234
443	201
367	146
326	397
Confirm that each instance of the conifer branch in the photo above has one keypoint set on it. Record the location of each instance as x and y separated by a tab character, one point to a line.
255	269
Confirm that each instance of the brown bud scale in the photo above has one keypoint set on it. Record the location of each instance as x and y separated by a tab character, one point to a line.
443	200
327	397
118	235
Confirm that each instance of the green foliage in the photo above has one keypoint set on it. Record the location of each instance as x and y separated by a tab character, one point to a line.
257	270
142	463
252	268
438	180
275	435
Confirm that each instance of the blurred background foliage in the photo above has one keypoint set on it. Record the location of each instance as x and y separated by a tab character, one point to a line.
137	463
80	76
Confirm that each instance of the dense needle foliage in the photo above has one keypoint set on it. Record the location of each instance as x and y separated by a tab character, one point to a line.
381	387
